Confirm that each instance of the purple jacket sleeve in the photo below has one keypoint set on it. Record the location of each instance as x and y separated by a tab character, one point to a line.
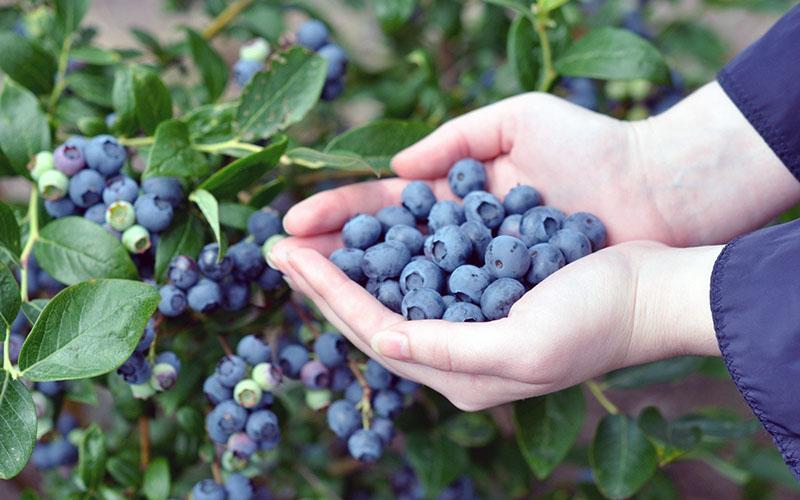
764	83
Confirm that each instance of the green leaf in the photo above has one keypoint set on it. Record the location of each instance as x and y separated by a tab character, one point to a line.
689	39
210	208
69	14
74	249
524	53
717	424
91	458
23	126
157	480
153	101
211	123
281	95
671	442
96	89
517	6
95	55
125	472
172	154
81	391
393	14
213	69
17	426
436	460
621	456
244	172
613	54
9	230
27	63
124	102
547	427
470	429
265	194
9	299
33	309
660	487
659	372
186	236
87	330
546	6
235	215
379	141
343	160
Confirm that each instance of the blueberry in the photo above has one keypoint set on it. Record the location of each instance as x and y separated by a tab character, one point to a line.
53	185
239	487
315	375
384	428
68	159
148	336
153	213
62	208
332	89
120	188
262	425
521	199
207	489
387	403
449	300
136	370
385	260
50	389
354	392
164	377
498	298
270	279
205	296
291	359
387	292
264	223
341	378
418	198
120	215
105	154
336	58
66	423
244	70
377	376
170	358
445	213
331	349
463	312
266	376
167	189
421	273
422	303
42	162
449	248
343	418
465	176
479	235
394	216
136	238
77	141
96	214
350	260
539	224
468	282
248	263
63	452
183	272
510	226
241	445
230	370
312	34
254	50
230	417
362	231
86	188
173	301
253	350
484	207
248	393
507	257
590	226
365	446
42	456
573	244
215	391
545	260
207	261
409	236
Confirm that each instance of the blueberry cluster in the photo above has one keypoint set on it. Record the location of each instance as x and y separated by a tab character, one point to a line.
236	487
212	281
241	391
59	449
314	35
147	375
83	177
479	257
252	57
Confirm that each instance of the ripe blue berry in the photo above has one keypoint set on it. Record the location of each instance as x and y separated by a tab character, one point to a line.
229	417
86	188
387	292
120	188
468	282
207	261
384	428
484	207
239	487
205	296
173	301
96	214
336	58
77	141
479	235
136	370
66	423
215	391
331	349
62	208
105	154
291	360
377	376
350	260
590	226
545	260
312	35
253	350
341	378
170	358
365	446
68	159
463	312
449	248
264	223
315	375
244	70
63	452
387	403
50	389
230	370
362	231
208	489
270	279
521	199
418	198
262	425
241	445
539	224
465	176
354	392
248	263
573	244
498	298
153	213
332	89
445	213
409	236
507	257
183	272
421	273
385	260
510	226
148	336
394	216
167	189
423	303
343	418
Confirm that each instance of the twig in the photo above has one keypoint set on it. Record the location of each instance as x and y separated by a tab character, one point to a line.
366	394
548	72
144	441
225	346
33	235
216	472
597	391
60	84
226	16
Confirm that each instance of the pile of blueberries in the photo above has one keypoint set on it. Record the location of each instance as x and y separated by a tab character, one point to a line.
478	259
147	375
314	35
83	176
210	282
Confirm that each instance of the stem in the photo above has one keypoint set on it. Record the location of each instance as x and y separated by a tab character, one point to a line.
60	85
226	16
366	394
597	391
548	72
305	318
225	346
144	441
7	366
216	472
33	235
136	141
231	144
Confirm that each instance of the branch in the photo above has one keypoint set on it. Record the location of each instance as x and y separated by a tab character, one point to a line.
225	17
597	391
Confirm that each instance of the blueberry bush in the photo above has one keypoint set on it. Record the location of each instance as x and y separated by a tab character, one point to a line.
150	351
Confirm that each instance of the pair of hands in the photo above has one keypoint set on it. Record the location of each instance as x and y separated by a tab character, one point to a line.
667	180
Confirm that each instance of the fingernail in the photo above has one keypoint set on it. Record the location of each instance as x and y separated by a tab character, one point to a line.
392	345
274	253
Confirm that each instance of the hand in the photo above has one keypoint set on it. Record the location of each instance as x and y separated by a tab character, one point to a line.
624	305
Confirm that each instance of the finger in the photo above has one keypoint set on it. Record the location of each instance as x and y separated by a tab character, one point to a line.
325	244
482	134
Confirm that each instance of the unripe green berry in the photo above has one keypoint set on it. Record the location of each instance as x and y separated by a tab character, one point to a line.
43	161
266	376
637	112
317	399
639	89
232	463
164	377
255	50
120	215
53	184
247	393
617	90
143	391
43	426
42	405
136	239
268	245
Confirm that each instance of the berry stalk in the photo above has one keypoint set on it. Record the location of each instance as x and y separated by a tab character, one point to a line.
597	391
366	394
